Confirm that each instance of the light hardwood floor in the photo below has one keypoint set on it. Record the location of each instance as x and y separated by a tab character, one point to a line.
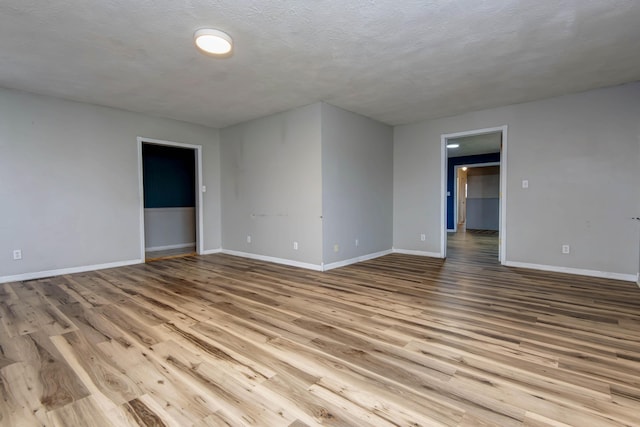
400	340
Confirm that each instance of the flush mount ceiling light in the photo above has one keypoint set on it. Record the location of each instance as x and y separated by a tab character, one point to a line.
453	145
213	42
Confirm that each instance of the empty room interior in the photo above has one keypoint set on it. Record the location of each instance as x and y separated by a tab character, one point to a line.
305	213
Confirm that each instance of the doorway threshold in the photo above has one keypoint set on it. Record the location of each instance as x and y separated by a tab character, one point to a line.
151	256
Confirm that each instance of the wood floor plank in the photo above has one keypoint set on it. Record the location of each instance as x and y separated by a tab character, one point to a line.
147	412
84	412
112	380
47	374
100	397
224	355
20	393
399	340
234	395
183	403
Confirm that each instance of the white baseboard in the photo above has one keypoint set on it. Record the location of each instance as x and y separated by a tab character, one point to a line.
284	261
419	253
569	270
355	260
638	280
211	251
169	247
61	271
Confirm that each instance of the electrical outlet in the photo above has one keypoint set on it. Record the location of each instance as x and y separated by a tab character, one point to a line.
357	243
566	249
295	246
423	237
248	239
336	248
17	254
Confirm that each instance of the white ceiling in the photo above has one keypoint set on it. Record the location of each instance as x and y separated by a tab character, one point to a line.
395	61
475	144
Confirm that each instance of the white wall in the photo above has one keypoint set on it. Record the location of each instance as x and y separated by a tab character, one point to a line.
357	185
272	186
416	188
69	182
169	228
483	183
483	198
580	155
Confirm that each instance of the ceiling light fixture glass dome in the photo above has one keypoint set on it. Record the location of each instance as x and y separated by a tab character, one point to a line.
213	42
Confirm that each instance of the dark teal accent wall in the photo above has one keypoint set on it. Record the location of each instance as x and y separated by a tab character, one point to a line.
169	175
451	178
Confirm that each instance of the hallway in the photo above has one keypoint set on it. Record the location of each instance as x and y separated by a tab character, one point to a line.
478	247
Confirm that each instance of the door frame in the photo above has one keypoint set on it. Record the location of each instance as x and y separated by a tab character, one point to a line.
502	243
198	188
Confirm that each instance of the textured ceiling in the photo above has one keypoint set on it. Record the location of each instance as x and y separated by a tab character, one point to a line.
395	61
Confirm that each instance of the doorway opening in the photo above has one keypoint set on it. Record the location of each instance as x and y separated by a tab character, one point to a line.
170	201
476	195
474	191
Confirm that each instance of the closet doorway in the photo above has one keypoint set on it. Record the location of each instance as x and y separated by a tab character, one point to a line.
170	219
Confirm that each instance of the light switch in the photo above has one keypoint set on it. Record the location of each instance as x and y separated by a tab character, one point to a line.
525	183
